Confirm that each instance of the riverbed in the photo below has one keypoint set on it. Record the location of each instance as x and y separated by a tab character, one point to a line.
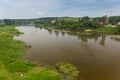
96	56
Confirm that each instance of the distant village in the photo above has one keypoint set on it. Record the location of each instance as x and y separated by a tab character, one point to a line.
109	21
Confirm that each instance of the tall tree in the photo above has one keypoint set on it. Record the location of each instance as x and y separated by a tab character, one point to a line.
8	22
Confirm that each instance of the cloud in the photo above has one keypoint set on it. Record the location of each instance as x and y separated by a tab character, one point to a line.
40	13
29	8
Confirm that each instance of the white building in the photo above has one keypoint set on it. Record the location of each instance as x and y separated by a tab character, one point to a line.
119	23
53	22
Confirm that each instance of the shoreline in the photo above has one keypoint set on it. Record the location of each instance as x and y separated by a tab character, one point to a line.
16	67
102	31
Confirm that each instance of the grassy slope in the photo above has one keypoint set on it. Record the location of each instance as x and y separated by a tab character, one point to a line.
106	30
3	73
10	54
12	66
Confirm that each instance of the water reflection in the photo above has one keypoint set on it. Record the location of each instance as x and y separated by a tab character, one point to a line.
96	56
50	31
82	37
56	33
63	33
117	39
102	42
40	28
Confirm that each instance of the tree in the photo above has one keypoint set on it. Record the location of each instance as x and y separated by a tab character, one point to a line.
105	19
8	22
85	19
118	29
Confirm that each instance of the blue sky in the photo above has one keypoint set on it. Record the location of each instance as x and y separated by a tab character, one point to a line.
51	8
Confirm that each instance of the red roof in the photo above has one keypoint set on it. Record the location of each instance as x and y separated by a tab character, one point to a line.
101	23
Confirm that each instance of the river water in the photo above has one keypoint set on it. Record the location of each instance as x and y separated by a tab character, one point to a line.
96	56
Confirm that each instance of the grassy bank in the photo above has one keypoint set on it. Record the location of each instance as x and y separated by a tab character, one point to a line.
14	67
105	30
99	30
11	55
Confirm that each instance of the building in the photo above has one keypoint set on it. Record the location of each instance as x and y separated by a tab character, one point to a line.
101	23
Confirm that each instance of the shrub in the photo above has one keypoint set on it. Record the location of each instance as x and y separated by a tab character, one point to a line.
2	25
117	31
67	70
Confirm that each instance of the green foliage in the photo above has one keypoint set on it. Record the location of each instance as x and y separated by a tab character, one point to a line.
114	20
79	24
12	64
117	31
11	53
19	66
2	73
10	30
44	75
61	71
73	24
50	68
8	22
2	25
67	70
106	30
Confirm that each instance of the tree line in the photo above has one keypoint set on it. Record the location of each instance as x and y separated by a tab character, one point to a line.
79	23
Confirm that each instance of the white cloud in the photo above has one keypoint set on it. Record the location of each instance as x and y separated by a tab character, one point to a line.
42	8
40	13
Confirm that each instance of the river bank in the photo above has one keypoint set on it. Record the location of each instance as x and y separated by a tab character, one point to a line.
11	55
84	31
84	51
14	67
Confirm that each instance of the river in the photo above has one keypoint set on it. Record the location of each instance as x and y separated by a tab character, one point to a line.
96	56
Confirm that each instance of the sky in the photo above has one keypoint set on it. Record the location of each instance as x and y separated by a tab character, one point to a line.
26	9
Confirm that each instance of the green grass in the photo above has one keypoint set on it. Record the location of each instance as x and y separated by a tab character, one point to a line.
44	75
106	30
11	54
9	30
12	65
3	73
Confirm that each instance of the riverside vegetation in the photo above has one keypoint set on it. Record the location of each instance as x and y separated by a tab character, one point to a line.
14	67
104	25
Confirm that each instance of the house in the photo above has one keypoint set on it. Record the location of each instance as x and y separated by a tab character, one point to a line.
101	23
53	22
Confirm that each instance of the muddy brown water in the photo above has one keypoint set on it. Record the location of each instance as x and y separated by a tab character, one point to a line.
96	56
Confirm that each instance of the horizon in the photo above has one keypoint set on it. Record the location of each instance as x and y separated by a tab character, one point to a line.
59	17
30	9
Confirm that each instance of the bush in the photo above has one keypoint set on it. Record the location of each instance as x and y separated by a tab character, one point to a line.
117	30
67	70
2	25
61	71
9	22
